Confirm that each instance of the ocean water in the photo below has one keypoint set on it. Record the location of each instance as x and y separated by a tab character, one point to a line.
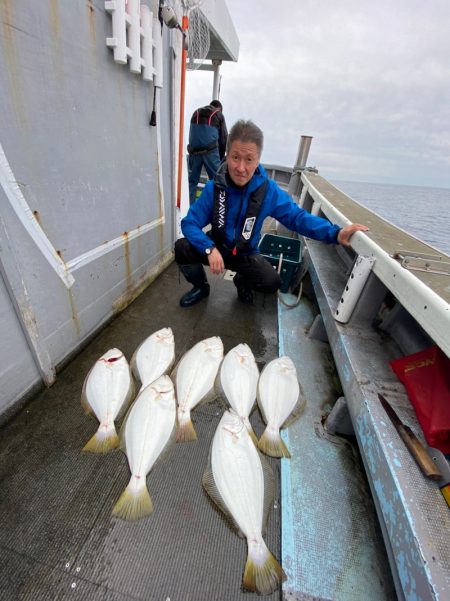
423	212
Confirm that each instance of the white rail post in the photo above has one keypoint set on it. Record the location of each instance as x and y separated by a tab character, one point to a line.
147	43
134	35
119	30
355	284
157	57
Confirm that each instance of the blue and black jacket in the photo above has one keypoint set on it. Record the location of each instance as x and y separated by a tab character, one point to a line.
276	203
207	131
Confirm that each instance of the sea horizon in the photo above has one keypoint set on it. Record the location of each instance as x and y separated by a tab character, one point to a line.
422	211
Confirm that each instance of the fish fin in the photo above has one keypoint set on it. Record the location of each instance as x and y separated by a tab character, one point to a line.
273	445
122	440
263	574
131	395
133	504
126	410
210	396
134	367
251	431
269	489
212	491
218	388
173	373
186	432
84	402
169	445
102	442
298	409
168	369
260	405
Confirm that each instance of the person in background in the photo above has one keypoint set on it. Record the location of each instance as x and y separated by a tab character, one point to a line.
207	143
236	204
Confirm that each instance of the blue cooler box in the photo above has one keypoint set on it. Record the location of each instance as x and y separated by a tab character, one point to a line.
272	246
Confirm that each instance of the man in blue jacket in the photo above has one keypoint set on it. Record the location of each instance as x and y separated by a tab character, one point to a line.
207	143
236	204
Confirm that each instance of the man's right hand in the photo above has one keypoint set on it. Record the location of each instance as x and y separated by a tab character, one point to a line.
215	261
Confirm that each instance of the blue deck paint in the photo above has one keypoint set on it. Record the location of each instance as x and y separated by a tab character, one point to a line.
329	542
400	524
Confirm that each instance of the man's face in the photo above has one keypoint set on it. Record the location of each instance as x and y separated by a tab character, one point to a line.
242	161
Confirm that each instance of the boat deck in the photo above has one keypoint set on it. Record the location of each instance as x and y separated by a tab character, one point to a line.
58	539
392	240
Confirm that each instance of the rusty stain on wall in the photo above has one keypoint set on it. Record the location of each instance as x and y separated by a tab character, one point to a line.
54	17
127	260
74	314
37	216
91	18
9	52
132	292
58	48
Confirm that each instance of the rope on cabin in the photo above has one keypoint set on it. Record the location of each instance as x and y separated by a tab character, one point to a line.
280	297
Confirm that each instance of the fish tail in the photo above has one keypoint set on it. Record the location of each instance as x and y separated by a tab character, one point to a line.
272	444
103	441
186	431
133	504
263	574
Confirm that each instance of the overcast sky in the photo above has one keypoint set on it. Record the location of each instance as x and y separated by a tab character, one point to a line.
370	81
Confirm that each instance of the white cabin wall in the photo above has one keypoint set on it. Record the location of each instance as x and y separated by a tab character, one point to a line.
76	136
18	370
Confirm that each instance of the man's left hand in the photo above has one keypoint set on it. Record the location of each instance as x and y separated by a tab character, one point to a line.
347	232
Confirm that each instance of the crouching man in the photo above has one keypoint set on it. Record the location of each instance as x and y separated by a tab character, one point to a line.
236	204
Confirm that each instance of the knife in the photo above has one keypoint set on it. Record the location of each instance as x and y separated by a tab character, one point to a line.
416	448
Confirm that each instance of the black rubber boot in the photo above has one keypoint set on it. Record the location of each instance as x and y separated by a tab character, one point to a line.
245	294
194	274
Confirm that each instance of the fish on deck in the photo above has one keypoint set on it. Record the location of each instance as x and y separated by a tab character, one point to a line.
107	390
154	357
237	382
240	481
146	433
281	400
194	378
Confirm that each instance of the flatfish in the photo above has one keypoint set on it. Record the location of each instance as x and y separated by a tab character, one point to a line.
237	382
240	481
281	400
194	378
154	357
146	432
107	390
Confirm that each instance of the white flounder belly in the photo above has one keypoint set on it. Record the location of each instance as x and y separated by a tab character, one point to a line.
238	474
154	357
108	385
197	371
239	378
278	390
149	425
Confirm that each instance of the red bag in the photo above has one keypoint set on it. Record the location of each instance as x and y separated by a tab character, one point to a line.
426	377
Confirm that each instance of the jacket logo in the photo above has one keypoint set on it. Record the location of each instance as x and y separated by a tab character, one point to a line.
221	208
248	227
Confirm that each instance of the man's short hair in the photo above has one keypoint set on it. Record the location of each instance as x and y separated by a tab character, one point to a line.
246	131
216	104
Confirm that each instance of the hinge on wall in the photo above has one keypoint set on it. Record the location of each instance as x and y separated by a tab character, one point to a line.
422	262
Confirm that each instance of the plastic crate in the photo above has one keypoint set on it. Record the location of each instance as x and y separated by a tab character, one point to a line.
272	246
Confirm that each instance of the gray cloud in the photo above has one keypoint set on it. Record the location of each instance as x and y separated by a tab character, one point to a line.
369	81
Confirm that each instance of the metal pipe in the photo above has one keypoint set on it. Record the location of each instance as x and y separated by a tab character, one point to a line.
216	66
185	27
295	183
303	151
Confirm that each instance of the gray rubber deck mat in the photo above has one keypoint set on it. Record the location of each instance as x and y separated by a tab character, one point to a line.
58	539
